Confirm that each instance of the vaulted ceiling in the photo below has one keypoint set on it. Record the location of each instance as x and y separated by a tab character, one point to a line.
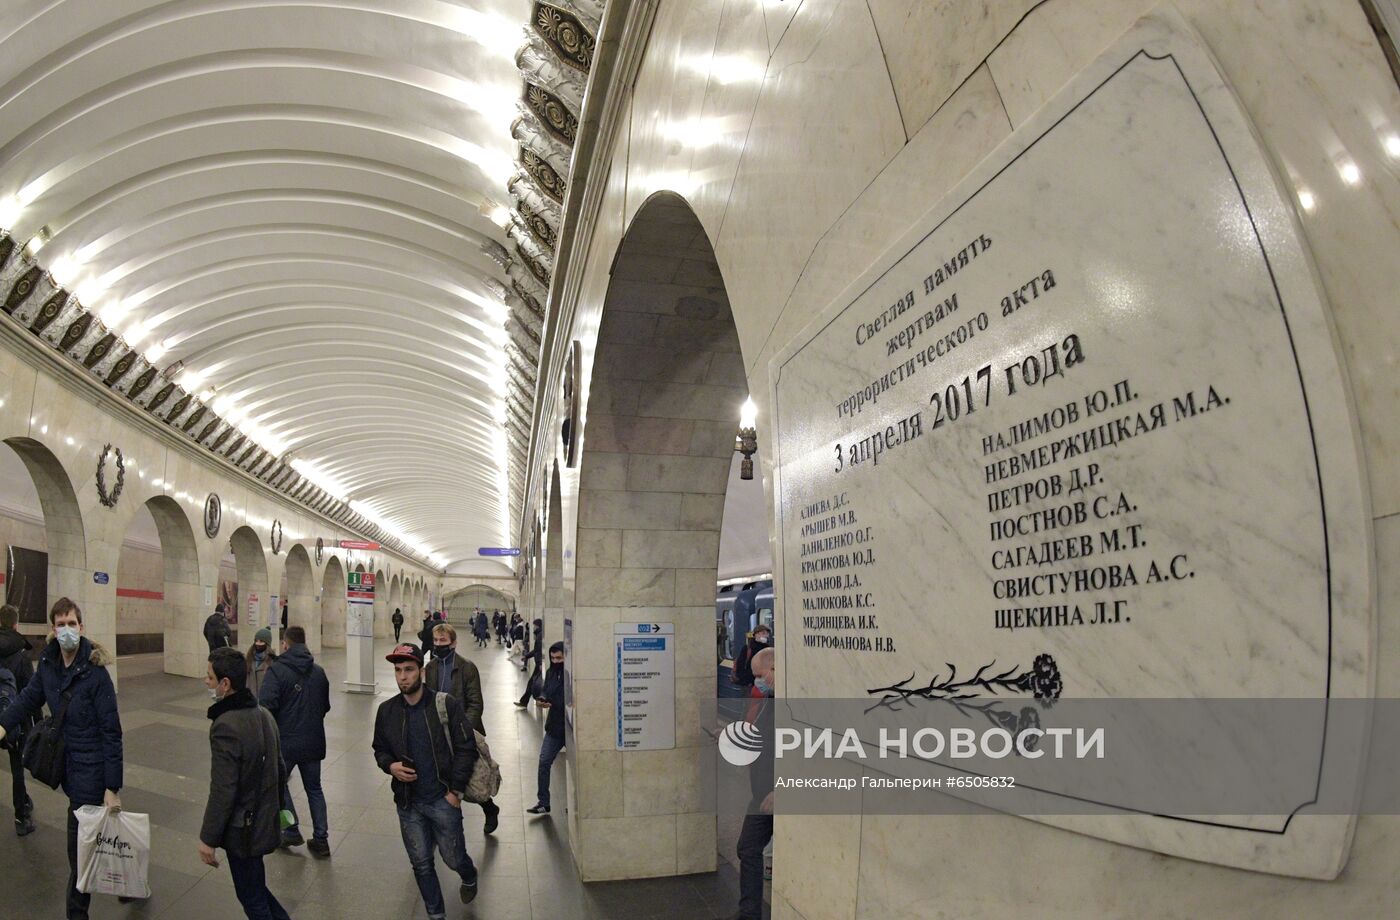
321	228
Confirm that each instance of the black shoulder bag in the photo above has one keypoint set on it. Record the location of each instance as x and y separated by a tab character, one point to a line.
43	747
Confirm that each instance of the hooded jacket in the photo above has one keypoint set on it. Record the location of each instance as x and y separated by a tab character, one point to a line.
14	656
245	778
553	693
92	730
216	631
298	695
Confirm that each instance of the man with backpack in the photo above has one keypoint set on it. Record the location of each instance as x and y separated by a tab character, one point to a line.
458	677
216	630
298	695
423	740
397	621
245	785
15	672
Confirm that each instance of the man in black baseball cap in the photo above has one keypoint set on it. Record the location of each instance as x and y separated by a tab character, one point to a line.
423	740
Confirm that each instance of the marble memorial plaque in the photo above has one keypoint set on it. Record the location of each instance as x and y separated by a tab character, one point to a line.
1087	421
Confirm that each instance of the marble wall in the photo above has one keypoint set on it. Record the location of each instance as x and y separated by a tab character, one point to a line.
809	135
59	427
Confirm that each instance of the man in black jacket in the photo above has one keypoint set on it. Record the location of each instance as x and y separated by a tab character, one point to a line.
431	764
216	631
397	621
454	675
551	699
298	695
245	783
14	657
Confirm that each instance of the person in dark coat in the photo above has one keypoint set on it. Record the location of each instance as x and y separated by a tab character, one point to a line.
431	765
501	625
397	620
216	629
14	657
74	667
535	655
758	822
260	658
245	785
480	630
425	634
459	677
760	639
298	695
551	699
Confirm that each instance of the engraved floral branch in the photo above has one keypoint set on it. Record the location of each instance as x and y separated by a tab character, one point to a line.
1042	680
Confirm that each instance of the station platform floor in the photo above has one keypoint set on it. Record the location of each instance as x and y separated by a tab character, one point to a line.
526	869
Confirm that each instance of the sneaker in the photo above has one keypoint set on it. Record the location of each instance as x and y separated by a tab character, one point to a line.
468	891
292	838
493	818
319	847
538	810
522	705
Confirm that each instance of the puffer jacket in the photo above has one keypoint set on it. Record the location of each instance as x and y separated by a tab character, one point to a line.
245	779
298	695
92	730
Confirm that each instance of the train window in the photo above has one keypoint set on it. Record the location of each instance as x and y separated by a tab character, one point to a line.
765	616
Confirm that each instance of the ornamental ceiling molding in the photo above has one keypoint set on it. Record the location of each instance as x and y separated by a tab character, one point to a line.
53	315
555	61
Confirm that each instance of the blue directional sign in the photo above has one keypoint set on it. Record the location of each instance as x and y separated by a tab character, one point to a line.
499	551
100	578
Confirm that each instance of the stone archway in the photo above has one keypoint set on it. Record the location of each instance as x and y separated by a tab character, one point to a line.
254	599
558	601
662	409
382	628
185	650
333	604
302	609
66	544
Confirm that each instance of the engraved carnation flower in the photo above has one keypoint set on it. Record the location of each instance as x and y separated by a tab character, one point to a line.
1045	680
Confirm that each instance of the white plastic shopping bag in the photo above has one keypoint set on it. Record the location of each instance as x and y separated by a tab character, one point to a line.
114	852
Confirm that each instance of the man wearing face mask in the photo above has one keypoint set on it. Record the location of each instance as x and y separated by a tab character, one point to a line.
72	680
259	659
760	639
551	699
245	782
758	823
459	678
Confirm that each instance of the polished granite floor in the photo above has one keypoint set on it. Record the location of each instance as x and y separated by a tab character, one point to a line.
526	869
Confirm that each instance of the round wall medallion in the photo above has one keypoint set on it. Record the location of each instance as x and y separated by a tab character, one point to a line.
110	498
276	537
213	515
320	550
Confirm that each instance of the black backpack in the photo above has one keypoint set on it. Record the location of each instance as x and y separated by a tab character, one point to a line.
9	692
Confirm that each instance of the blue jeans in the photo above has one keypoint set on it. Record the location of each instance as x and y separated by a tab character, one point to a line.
549	749
311	782
250	884
423	824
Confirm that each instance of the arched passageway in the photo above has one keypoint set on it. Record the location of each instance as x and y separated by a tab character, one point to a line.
186	650
382	627
299	592
59	567
558	603
333	604
662	410
254	600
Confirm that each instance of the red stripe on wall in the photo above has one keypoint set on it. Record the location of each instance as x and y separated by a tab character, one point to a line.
147	595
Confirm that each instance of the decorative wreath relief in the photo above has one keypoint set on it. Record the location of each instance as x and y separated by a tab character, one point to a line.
276	537
320	550
1042	681
110	499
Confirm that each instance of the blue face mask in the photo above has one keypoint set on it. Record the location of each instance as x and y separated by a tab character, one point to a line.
67	638
763	686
